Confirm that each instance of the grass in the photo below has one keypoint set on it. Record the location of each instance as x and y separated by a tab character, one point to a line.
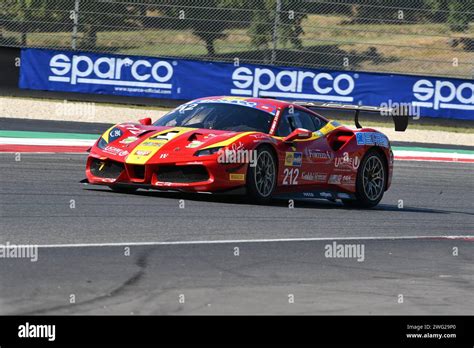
405	48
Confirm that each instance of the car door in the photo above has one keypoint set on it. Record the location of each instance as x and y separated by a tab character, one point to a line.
306	162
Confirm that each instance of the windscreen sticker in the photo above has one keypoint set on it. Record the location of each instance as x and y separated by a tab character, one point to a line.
269	108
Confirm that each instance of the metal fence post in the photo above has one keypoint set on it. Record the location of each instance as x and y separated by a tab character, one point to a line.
417	38
275	31
75	18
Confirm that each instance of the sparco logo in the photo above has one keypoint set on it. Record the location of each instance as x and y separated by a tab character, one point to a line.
292	83
443	95
111	71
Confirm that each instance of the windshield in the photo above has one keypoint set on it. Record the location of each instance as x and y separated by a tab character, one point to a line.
220	116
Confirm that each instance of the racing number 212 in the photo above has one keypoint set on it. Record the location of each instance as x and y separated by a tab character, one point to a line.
291	176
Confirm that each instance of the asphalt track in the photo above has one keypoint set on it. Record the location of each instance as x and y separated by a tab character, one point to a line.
190	251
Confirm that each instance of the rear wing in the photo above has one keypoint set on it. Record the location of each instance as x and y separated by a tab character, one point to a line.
400	121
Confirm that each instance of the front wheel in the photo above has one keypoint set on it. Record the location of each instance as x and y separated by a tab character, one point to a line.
371	181
262	178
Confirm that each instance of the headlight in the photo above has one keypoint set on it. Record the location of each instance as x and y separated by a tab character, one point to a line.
112	135
208	152
102	143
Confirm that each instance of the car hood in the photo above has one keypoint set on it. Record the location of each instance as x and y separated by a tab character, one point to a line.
138	144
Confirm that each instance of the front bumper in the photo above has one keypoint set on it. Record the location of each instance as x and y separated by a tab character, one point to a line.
192	176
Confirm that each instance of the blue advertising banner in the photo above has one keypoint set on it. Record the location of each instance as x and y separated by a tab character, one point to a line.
187	79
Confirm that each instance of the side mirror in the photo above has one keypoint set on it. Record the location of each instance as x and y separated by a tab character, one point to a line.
145	121
298	133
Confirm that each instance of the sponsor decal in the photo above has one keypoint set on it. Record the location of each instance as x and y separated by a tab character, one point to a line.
132	128
128	140
152	143
259	136
193	144
299	84
236	177
317	177
165	183
93	69
185	79
114	134
444	94
348	179
142	153
116	151
327	195
309	194
271	109
293	159
316	155
372	138
343	195
335	179
346	162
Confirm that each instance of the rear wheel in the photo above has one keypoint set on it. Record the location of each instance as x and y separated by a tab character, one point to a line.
371	181
261	179
123	189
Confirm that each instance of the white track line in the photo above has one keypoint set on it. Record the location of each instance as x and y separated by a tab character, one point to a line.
236	241
433	154
46	141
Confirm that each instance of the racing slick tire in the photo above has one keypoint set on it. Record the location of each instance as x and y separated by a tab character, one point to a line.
371	181
262	178
122	189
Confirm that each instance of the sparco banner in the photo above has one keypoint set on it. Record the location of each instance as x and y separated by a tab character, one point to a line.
187	79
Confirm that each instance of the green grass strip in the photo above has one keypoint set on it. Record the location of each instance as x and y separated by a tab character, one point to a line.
47	135
53	135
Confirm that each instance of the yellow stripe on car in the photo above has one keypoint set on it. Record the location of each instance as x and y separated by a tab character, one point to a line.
149	147
229	141
329	127
105	136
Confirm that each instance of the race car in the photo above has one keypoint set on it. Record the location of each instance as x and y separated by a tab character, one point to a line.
268	148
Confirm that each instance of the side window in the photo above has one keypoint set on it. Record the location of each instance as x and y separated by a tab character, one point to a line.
284	127
318	122
298	119
304	120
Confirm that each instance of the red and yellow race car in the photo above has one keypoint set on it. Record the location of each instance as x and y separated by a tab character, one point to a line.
268	147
